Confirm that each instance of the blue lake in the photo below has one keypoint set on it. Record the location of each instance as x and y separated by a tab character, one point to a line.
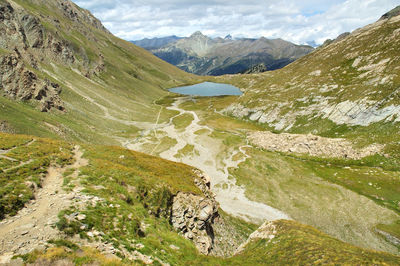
208	89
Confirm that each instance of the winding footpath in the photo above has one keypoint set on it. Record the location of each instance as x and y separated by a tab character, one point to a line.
33	226
207	157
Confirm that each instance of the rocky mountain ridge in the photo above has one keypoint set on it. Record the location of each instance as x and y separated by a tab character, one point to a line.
203	55
27	44
155	43
352	81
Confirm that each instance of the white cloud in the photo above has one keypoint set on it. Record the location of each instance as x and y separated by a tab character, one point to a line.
296	21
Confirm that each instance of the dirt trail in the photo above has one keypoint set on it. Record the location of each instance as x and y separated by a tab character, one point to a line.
3	152
207	157
32	227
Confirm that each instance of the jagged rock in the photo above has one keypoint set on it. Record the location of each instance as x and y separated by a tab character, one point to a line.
73	12
5	127
193	215
265	231
392	13
20	83
260	68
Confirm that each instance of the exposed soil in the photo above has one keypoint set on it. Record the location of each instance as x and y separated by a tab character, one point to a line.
33	226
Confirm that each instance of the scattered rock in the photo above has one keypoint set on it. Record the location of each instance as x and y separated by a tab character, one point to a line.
173	247
5	127
311	145
81	217
6	258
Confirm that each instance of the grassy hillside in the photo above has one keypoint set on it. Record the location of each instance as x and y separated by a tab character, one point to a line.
126	188
294	243
115	204
105	82
349	88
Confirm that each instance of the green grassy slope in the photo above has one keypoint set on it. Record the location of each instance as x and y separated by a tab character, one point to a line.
329	194
297	244
110	83
139	185
348	89
337	90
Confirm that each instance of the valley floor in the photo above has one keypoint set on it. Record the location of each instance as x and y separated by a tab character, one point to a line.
258	185
195	146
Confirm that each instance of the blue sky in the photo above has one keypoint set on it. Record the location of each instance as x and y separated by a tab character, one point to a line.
296	21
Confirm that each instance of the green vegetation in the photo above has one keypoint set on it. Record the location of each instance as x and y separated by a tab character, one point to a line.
393	229
299	187
298	184
114	91
134	193
64	252
182	121
23	167
186	151
300	244
356	69
99	109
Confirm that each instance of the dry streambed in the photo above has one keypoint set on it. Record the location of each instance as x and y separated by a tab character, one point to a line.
208	156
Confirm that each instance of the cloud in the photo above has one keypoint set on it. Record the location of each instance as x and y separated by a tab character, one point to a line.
296	21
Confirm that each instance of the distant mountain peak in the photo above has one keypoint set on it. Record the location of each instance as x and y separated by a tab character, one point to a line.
197	34
228	37
392	13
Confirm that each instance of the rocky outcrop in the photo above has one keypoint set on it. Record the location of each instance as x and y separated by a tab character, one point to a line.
260	68
392	13
23	31
281	115
352	81
265	231
28	43
5	127
75	13
17	82
193	215
339	38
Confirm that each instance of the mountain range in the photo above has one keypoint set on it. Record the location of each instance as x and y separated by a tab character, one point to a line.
202	55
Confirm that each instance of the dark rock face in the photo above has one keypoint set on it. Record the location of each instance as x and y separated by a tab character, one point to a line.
26	42
256	69
19	83
392	13
75	13
23	34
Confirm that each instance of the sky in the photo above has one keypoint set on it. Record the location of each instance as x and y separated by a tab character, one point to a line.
293	20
